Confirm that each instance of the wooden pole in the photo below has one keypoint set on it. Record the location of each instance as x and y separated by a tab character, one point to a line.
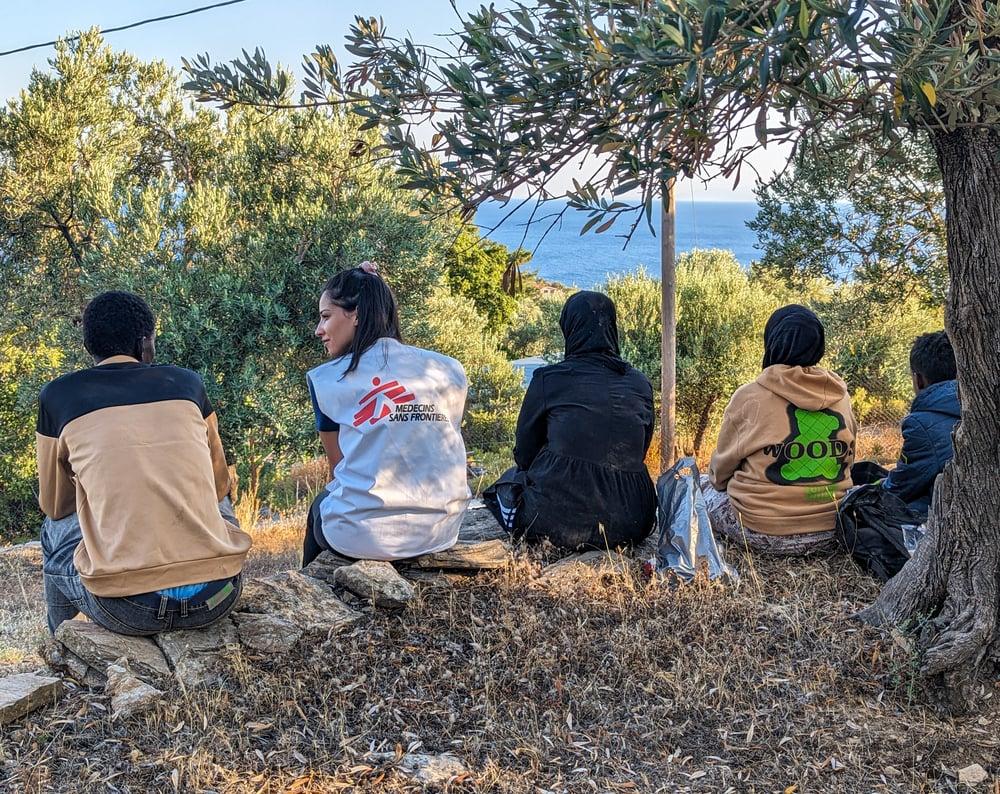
668	337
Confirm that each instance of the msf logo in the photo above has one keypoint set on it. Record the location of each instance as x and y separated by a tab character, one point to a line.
381	401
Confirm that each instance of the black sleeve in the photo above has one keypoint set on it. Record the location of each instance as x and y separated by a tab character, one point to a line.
531	424
651	425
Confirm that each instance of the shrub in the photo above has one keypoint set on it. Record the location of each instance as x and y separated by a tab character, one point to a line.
451	325
637	303
720	321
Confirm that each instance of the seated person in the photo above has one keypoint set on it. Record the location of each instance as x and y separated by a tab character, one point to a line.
927	429
139	533
785	447
582	435
390	418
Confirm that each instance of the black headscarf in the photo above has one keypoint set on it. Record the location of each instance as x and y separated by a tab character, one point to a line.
590	325
793	336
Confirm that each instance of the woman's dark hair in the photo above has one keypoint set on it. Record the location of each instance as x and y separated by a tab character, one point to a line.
115	323
932	356
370	296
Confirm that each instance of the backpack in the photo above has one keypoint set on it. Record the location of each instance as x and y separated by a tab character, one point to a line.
870	524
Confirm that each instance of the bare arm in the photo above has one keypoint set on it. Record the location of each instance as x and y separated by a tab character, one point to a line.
331	445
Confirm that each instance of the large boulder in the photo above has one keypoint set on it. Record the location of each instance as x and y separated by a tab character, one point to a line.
300	600
266	633
468	556
98	648
128	694
63	661
23	693
376	581
197	655
325	566
478	523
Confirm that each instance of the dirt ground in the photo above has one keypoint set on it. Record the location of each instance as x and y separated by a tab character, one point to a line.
614	683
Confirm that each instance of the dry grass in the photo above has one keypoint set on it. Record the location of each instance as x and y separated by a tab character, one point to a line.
615	685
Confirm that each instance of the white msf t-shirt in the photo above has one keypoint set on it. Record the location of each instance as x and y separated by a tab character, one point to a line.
401	488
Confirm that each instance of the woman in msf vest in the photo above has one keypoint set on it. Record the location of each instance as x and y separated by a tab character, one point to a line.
582	436
389	416
786	445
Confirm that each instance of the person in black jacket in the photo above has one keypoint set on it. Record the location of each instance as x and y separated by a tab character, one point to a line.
927	429
582	436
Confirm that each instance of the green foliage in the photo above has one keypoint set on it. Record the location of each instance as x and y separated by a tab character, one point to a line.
720	322
721	313
869	347
519	92
26	359
227	225
475	268
534	328
637	303
495	391
848	210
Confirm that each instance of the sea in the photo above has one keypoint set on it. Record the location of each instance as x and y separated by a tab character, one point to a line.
564	256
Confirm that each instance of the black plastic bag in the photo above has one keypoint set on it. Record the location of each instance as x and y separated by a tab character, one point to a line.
870	524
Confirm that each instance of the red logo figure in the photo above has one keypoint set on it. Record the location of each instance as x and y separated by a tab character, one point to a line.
379	402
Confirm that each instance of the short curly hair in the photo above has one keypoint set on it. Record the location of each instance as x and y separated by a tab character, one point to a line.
933	357
115	323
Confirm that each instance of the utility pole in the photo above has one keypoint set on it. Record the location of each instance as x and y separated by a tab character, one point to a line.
668	337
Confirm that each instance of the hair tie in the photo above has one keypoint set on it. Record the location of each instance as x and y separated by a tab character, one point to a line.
369	267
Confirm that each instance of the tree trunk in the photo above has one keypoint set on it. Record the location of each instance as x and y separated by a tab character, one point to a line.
950	589
703	419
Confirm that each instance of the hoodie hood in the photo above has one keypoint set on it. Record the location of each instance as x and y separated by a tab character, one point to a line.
939	398
811	388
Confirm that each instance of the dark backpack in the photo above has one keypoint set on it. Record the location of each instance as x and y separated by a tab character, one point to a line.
870	527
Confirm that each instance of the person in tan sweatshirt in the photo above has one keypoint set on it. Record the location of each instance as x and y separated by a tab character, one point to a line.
786	445
139	533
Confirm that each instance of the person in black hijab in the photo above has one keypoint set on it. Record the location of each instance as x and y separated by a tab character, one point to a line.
793	336
582	435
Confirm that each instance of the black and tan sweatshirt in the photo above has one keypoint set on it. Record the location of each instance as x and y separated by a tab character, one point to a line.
134	450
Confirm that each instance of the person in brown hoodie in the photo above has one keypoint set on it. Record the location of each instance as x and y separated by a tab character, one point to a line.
786	445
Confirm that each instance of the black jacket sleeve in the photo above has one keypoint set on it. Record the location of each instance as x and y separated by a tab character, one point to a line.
531	424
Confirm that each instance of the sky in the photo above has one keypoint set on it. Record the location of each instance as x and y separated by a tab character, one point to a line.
284	29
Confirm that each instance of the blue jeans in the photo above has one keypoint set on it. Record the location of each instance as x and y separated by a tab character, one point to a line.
138	615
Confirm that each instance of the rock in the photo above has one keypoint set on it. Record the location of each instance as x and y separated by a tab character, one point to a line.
196	654
479	524
428	770
128	694
266	633
376	581
468	556
23	693
572	569
63	660
99	647
325	566
300	600
972	775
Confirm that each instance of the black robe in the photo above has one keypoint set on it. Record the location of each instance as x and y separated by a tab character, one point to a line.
582	436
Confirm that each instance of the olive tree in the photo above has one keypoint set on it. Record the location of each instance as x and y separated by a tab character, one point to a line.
640	91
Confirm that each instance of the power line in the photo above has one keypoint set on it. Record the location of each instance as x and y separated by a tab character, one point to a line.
126	27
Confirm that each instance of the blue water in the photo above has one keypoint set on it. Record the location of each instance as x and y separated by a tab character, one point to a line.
564	256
